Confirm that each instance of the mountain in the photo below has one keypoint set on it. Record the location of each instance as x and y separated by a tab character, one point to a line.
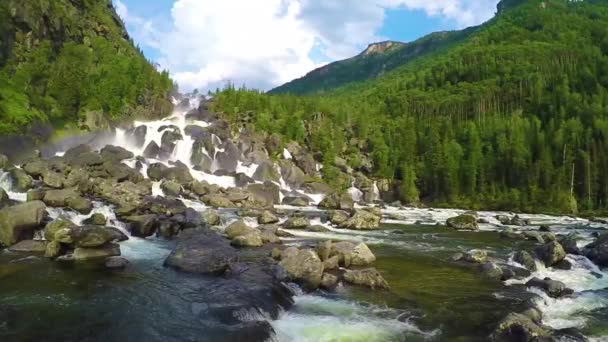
376	60
511	115
71	63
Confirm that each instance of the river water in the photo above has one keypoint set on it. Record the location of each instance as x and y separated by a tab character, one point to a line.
431	298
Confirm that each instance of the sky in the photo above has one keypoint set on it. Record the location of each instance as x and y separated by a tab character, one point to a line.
261	44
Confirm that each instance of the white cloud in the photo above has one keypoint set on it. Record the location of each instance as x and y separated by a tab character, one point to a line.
265	43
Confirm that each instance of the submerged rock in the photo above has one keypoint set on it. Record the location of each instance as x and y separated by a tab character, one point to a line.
116	262
200	250
463	222
29	246
369	277
553	288
518	327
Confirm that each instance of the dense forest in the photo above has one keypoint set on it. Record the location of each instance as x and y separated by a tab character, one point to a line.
63	60
514	116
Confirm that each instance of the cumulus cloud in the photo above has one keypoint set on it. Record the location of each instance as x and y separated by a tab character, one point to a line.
265	43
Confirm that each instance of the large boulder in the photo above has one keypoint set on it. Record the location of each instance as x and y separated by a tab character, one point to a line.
518	327
171	188
239	228
362	220
266	172
526	259
139	135
338	201
267	193
267	217
157	171
59	198
218	201
200	250
98	253
95	236
463	222
296	201
304	267
115	153
550	253
337	217
142	225
369	277
169	139
211	217
296	222
292	175
29	246
152	150
252	239
59	231
22	182
352	254
598	250
18	222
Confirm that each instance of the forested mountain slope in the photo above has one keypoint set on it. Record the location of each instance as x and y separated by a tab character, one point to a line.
515	116
376	60
63	60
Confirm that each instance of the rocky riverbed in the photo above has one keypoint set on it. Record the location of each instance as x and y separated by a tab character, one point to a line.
189	229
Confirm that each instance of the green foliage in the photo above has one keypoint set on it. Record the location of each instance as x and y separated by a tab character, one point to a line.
60	59
512	116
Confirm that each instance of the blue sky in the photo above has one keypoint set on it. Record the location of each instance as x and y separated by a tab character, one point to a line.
264	43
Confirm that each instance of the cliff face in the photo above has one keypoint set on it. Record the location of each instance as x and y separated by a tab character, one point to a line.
381	47
63	59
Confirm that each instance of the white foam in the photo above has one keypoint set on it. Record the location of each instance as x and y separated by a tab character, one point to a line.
7	185
316	318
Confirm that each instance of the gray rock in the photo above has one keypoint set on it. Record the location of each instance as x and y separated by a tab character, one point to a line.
369	277
518	327
526	259
267	217
362	220
296	201
553	288
116	262
463	222
201	251
296	222
171	188
337	217
476	256
329	281
239	228
352	254
98	253
252	239
96	219
142	225
22	182
305	267
19	221
337	201
550	253
598	250
29	246
211	217
266	172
